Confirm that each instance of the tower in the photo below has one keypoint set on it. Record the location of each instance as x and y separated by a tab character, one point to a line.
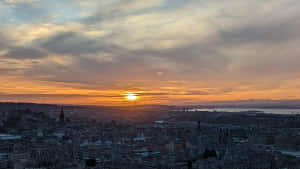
62	115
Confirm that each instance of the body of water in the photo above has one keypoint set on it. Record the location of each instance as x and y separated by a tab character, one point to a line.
264	110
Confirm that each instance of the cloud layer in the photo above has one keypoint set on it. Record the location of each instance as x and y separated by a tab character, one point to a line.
167	51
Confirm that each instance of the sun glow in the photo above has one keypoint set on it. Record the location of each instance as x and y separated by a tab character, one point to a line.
131	96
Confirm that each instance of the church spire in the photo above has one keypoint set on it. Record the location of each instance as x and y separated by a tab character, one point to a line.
62	115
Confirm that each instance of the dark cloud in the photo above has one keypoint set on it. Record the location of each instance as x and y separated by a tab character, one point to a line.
24	53
275	32
3	44
89	60
5	41
75	44
198	93
57	95
190	93
7	71
119	9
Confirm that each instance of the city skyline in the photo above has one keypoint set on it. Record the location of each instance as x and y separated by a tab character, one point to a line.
160	51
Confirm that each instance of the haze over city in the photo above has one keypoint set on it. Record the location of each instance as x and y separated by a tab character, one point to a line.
162	51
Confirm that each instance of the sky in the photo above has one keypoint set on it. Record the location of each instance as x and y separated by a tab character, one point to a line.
163	51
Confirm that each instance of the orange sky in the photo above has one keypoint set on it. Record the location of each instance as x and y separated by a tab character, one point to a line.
20	90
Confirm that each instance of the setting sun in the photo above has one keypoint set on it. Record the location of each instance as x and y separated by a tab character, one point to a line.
131	97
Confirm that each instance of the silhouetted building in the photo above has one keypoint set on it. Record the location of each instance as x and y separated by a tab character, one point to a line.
62	116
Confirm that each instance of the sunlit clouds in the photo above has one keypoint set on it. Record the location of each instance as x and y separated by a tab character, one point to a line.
167	52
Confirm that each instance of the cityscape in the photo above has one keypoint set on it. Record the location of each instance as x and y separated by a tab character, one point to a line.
64	137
